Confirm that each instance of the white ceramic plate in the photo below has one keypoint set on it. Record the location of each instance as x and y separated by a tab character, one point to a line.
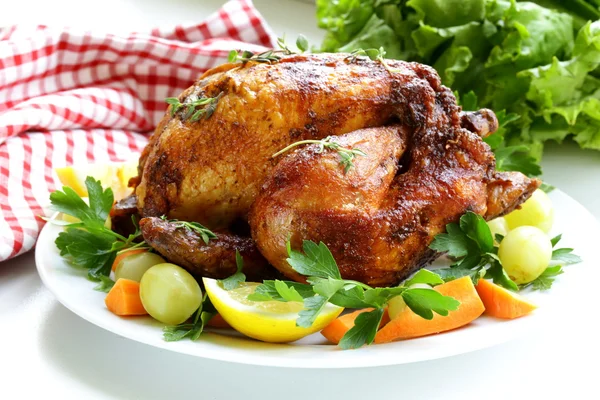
579	228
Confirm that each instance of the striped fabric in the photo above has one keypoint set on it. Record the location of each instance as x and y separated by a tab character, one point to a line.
70	97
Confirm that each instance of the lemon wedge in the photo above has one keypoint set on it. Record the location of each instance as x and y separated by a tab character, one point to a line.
113	175
269	321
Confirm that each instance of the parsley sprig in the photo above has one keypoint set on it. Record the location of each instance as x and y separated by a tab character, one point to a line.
191	104
205	233
347	156
89	244
471	246
325	285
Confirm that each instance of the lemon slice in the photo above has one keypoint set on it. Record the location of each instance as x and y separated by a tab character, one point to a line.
113	175
269	321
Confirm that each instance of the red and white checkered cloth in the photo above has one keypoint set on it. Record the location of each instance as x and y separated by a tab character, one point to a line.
73	97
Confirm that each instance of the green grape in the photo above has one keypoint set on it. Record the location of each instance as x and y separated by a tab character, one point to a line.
498	226
134	266
169	293
537	211
395	306
525	253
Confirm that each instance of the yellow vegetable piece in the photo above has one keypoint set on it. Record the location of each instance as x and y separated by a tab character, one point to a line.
113	175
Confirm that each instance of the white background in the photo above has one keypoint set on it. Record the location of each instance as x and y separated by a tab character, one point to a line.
48	352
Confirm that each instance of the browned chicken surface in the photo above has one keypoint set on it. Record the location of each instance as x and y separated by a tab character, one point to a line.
425	164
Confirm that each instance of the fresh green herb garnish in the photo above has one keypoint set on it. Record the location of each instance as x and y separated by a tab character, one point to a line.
269	56
89	244
233	281
325	285
194	329
191	104
562	256
469	244
205	233
105	284
546	279
302	43
373	54
346	155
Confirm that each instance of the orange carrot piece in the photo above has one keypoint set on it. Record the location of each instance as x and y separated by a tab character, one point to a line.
121	256
218	322
502	303
124	298
339	326
409	325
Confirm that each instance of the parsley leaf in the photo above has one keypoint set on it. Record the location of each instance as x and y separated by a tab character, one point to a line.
565	256
269	290
69	202
455	242
312	308
424	276
452	273
316	261
555	240
475	227
364	330
89	244
324	278
234	280
424	301
546	279
105	284
500	277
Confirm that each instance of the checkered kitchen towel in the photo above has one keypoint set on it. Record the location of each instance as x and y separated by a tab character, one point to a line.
73	97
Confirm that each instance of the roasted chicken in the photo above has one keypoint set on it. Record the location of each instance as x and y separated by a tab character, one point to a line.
423	164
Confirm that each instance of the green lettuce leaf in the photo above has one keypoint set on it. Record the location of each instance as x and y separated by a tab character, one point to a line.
539	59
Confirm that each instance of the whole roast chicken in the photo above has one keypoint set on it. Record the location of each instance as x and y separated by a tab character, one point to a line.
405	161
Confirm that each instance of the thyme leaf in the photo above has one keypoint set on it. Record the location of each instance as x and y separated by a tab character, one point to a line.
205	233
373	54
191	104
347	156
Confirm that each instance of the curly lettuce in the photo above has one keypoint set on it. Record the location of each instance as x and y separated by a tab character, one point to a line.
539	60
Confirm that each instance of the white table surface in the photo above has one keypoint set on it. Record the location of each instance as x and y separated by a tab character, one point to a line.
48	352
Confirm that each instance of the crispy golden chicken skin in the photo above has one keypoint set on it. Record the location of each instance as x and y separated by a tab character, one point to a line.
425	165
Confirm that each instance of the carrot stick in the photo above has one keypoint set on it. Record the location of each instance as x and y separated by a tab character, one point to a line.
502	303
124	298
408	325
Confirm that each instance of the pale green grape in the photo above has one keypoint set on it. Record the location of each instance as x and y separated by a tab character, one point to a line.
525	253
498	226
395	306
134	266
169	293
537	211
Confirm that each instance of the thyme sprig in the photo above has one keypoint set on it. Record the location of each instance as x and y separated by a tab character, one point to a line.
191	104
269	56
373	54
347	156
205	233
